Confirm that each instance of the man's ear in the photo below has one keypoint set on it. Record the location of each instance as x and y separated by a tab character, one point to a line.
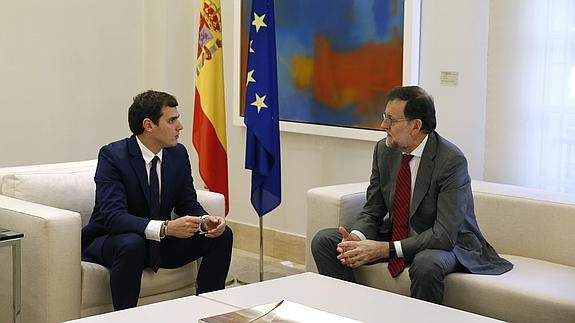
417	125
147	124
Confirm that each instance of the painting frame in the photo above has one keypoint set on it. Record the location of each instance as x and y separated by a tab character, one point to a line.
410	76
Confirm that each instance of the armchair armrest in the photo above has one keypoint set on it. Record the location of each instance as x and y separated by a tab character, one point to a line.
330	207
212	202
51	265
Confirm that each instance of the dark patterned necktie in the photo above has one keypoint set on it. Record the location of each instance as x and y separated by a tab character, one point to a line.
154	246
401	201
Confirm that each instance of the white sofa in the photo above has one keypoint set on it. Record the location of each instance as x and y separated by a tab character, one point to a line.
50	204
533	229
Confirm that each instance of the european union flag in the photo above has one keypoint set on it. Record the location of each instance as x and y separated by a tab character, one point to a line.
261	110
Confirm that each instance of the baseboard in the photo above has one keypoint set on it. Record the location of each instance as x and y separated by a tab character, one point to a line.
277	244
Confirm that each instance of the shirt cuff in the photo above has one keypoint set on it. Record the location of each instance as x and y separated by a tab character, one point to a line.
398	251
152	230
359	234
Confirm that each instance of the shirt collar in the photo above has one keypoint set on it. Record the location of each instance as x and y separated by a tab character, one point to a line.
146	153
418	151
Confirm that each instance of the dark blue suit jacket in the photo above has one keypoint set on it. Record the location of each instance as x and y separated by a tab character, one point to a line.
122	191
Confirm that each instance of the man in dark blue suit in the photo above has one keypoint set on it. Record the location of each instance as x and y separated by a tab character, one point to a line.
140	181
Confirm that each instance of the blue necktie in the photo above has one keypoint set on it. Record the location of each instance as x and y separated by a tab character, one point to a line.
154	246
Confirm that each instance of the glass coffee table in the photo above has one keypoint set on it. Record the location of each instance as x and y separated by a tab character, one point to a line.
13	238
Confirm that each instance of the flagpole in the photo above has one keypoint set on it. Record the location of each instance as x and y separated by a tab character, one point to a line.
261	248
250	277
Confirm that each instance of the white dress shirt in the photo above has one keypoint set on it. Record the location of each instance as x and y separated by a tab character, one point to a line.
414	167
153	228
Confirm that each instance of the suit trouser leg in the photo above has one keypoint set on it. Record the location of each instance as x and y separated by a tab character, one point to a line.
216	254
126	256
324	250
427	273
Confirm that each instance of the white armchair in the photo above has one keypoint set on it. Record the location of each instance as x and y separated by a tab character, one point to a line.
50	204
531	228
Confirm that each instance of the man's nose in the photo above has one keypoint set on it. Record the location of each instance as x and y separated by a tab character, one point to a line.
383	125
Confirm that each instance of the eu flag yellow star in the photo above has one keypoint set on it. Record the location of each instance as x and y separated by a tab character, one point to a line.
250	77
259	21
259	102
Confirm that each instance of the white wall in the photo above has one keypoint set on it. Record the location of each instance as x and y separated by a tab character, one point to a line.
454	38
67	68
515	100
78	64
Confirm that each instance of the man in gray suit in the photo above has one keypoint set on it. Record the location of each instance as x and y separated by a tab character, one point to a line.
419	210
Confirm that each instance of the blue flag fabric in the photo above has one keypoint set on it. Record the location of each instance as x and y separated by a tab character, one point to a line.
261	110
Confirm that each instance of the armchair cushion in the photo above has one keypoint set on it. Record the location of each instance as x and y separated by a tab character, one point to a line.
96	282
48	186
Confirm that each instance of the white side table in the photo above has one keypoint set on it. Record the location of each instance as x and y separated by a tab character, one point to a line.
12	238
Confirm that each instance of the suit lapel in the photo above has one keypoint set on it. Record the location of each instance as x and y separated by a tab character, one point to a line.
395	162
139	166
166	176
424	173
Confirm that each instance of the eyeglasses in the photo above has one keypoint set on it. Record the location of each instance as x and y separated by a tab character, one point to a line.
392	121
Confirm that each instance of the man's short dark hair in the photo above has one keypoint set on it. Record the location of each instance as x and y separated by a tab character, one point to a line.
419	105
148	105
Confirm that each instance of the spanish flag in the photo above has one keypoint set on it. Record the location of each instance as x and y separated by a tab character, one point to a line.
209	131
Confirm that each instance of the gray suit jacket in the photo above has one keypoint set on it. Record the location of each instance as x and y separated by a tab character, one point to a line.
441	212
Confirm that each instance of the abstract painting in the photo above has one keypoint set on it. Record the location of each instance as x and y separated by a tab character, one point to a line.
337	59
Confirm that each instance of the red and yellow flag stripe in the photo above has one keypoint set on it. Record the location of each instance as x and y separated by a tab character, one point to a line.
209	129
